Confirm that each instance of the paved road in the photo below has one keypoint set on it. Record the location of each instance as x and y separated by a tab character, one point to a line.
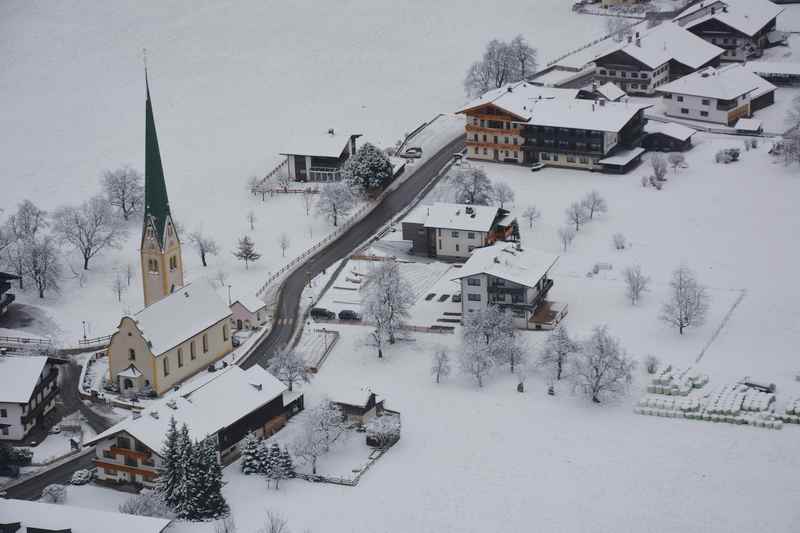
393	203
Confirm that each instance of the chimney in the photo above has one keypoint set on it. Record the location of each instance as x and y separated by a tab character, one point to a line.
510	89
713	10
630	38
330	131
638	40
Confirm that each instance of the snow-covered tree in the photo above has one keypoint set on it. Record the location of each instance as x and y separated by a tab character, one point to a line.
204	245
246	251
90	227
577	215
488	339
688	300
124	190
308	200
275	468
676	160
594	204
369	169
41	263
250	462
274	523
556	352
440	366
616	26
659	165
514	352
566	234
531	214
503	193
22	227
320	427
204	479
475	359
472	186
383	431
184	466
336	201
147	503
287	464
54	494
635	283
501	63
251	219
169	475
601	369
619	241
118	285
289	366
284	243
387	299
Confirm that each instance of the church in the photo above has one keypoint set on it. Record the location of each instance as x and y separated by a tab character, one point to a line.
183	328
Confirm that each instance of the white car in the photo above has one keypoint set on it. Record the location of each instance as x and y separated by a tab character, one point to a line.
81	477
413	151
537	166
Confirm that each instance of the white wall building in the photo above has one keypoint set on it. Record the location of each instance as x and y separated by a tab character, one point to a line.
28	391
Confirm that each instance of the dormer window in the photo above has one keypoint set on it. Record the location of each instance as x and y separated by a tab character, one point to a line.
152	265
149	232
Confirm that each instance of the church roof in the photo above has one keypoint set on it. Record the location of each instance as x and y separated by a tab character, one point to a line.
156	203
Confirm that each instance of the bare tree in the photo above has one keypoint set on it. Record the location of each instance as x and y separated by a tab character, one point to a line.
128	274
619	241
440	366
556	352
147	503
308	200
577	215
336	200
676	160
566	234
274	523
20	228
284	242
90	228
246	251
204	245
501	63
601	369
532	215
388	299
475	360
615	26
124	190
659	165
503	193
489	339
472	186
251	219
41	263
320	427
118	286
283	181
594	203
524	58
688	301
288	366
383	431
221	277
635	283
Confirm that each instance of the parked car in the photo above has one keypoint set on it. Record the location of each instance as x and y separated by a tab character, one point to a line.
320	313
537	166
55	430
347	314
9	471
81	477
413	151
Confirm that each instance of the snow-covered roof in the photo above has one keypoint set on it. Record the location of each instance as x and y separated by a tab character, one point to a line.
610	91
230	395
766	68
671	129
504	260
251	302
725	83
460	216
353	396
584	114
19	375
319	145
130	372
623	157
518	97
746	16
665	42
54	517
748	124
555	75
180	316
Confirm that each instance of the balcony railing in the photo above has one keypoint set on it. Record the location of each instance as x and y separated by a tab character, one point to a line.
324	174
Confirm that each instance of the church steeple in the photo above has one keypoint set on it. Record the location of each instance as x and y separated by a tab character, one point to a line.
162	265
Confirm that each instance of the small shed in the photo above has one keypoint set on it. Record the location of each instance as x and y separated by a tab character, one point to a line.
359	406
248	311
622	161
749	126
667	136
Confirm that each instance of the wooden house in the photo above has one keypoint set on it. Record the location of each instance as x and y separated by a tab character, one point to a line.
319	157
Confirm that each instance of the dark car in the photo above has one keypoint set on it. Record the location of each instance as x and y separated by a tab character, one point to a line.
347	314
9	470
320	313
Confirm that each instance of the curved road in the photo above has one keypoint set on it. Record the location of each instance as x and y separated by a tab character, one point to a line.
292	289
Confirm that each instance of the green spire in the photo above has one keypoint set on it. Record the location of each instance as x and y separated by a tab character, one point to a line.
156	203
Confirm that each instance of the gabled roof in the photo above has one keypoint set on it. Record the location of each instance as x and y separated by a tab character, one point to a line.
354	397
611	92
748	124
518	97
156	203
229	396
746	16
584	114
725	83
461	216
319	145
670	129
250	302
19	375
5	276
774	68
54	517
503	260
180	316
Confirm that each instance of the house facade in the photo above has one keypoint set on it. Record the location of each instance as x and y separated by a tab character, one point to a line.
667	136
359	407
170	341
453	231
28	392
6	297
248	312
226	408
320	157
512	278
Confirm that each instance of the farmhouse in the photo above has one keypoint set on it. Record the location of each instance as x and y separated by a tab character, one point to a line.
28	391
248	311
6	298
513	278
667	136
744	28
649	58
169	341
231	404
320	157
455	230
721	95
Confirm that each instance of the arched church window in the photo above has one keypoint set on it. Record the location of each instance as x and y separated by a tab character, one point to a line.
131	355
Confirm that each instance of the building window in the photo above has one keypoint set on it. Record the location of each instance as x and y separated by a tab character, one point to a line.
224	332
482	124
458	248
4	430
506	140
684	111
703	113
205	342
192	353
634	85
624	74
440	244
679	98
474	297
667	96
470	248
3	413
602	71
495	139
484	151
584	160
454	234
544	156
180	357
515	155
612	72
570	159
131	355
152	265
476	137
173	263
555	157
484	137
705	101
470	235
506	153
166	365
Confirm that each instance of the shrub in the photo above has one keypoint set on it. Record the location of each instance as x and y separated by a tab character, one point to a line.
651	364
54	494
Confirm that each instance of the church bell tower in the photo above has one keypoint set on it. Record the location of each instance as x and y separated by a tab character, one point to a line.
162	265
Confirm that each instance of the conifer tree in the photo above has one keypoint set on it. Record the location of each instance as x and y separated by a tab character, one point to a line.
246	251
263	458
287	463
169	474
183	491
274	465
250	460
212	503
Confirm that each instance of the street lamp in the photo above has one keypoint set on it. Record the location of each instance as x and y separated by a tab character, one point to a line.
229	295
84	329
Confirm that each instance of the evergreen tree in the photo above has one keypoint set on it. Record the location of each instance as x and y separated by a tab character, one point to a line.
246	251
250	459
287	463
169	474
368	169
213	504
274	470
182	494
263	458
